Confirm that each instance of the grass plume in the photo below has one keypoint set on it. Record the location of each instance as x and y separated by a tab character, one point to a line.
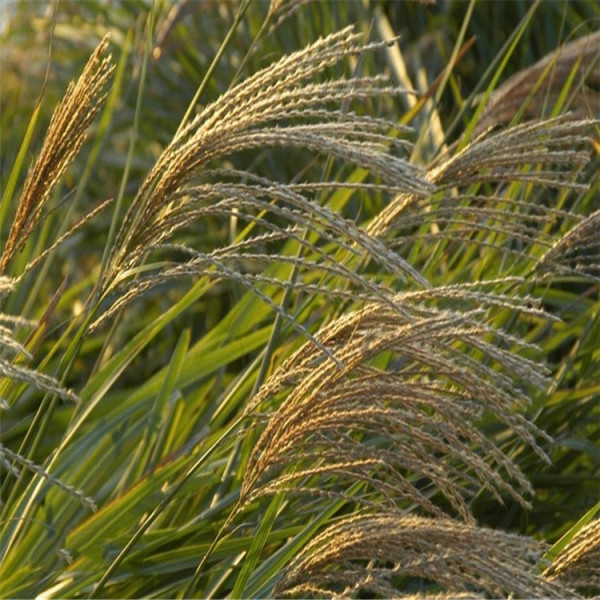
367	553
536	91
277	107
407	430
66	134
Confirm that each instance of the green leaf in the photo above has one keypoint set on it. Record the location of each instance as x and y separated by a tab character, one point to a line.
258	543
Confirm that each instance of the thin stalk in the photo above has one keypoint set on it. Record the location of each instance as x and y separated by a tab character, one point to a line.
508	48
248	54
445	77
236	21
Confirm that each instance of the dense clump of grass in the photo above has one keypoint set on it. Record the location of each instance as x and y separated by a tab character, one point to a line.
302	357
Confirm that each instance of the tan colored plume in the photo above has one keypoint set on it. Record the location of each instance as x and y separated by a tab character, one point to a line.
366	553
66	134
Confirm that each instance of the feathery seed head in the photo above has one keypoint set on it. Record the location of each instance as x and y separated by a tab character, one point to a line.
397	428
65	136
277	107
365	553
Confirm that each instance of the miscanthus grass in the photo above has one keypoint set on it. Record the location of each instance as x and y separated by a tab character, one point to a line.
456	556
322	379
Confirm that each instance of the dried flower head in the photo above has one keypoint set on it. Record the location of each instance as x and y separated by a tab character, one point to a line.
408	430
368	553
65	136
535	91
280	106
